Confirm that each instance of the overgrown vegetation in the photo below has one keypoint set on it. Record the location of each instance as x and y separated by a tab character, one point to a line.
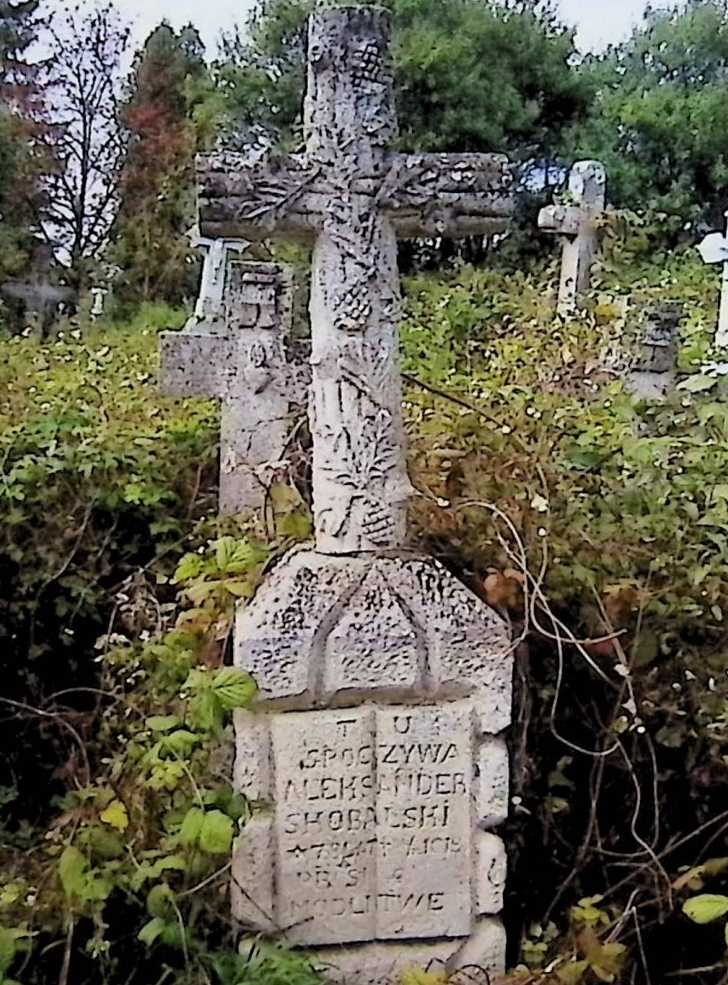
580	514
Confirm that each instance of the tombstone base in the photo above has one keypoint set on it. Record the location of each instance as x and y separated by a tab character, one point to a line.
480	959
377	763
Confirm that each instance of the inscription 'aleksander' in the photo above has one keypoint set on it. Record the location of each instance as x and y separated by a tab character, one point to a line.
374	823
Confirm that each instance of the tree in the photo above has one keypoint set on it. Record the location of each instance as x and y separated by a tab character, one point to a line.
472	75
21	97
84	138
660	119
156	206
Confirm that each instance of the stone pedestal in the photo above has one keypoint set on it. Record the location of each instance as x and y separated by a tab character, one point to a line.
377	763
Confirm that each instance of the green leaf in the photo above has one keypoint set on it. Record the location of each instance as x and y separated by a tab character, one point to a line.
698	383
116	816
163	723
706	909
152	931
72	870
234	688
180	743
189	833
216	836
159	901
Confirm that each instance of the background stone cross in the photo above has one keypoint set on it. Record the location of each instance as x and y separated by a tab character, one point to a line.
577	223
209	307
354	198
714	249
251	367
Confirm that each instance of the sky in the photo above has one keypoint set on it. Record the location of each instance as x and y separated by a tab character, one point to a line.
599	22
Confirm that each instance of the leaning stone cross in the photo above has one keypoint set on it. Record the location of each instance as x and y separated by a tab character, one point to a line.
353	198
251	367
209	307
376	758
577	224
714	249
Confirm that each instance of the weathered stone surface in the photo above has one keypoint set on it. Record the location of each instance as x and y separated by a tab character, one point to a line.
492	783
353	198
251	365
325	629
252	890
375	825
654	367
577	223
645	354
382	964
380	797
424	821
491	873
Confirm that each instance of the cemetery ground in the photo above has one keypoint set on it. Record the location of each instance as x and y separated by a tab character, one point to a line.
594	523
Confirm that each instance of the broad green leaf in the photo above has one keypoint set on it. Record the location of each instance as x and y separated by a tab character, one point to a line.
163	723
72	870
698	383
189	833
180	743
152	931
706	909
116	816
234	688
159	901
216	836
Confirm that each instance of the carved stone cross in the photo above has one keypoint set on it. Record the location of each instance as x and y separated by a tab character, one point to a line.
353	197
252	368
577	224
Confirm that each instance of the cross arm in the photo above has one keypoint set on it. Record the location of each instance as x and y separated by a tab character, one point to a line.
241	196
447	194
566	220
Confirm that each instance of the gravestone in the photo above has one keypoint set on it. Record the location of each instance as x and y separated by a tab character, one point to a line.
645	355
653	369
714	249
248	361
376	758
577	223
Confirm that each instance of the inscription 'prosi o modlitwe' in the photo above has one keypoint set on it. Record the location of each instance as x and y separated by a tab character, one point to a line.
354	817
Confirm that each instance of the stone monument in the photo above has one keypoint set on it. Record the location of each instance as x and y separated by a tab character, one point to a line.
653	371
714	249
645	354
577	223
249	361
376	758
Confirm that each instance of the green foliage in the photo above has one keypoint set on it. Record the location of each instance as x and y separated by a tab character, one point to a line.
659	121
471	75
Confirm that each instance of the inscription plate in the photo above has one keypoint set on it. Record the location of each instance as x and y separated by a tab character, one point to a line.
374	823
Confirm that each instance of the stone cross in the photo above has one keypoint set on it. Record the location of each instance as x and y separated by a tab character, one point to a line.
209	307
252	367
577	223
714	249
353	199
376	758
